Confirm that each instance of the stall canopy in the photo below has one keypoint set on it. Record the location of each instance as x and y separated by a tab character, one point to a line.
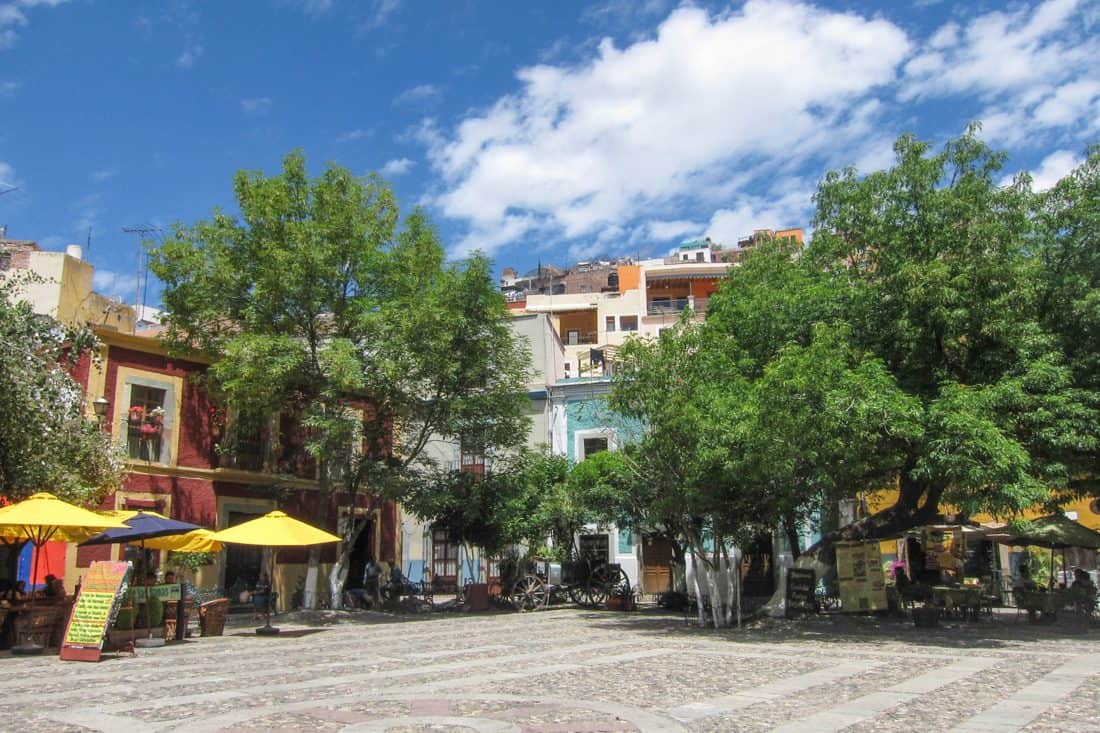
1054	531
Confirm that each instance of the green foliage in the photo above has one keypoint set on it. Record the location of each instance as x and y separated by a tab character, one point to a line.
937	332
47	443
191	560
313	296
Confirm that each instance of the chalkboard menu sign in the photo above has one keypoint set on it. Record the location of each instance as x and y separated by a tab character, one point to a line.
800	591
100	593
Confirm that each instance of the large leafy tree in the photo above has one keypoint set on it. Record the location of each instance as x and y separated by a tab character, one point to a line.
313	295
935	336
908	344
47	442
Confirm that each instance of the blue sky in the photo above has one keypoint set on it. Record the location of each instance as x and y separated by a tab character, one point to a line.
550	131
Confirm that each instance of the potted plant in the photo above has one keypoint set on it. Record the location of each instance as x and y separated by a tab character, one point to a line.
137	415
156	415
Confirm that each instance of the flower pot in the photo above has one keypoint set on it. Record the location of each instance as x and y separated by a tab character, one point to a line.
150	430
477	596
620	603
137	414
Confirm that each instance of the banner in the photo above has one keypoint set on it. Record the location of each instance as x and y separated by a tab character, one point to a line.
940	548
100	593
168	592
859	571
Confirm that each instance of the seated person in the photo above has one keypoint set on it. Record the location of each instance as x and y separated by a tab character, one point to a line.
17	593
909	591
263	599
1082	581
54	590
186	591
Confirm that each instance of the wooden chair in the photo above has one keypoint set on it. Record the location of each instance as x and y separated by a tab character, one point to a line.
170	618
212	615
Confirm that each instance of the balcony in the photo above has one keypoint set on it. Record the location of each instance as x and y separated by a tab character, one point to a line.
669	306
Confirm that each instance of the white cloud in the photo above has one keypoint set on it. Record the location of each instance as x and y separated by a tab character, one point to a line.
87	212
316	7
9	88
356	134
12	16
397	167
256	105
662	231
379	12
1034	68
780	210
190	55
579	148
115	284
1052	169
417	94
7	175
104	174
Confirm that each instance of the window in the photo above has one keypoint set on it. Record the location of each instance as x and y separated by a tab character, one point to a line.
592	446
699	256
628	323
573	337
610	322
145	422
626	541
472	460
444	558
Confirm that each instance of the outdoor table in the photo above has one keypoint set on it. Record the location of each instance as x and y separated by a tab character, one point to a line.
968	600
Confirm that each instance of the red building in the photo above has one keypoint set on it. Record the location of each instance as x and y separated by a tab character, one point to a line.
185	458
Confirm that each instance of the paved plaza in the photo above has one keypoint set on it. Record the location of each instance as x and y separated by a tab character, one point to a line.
572	670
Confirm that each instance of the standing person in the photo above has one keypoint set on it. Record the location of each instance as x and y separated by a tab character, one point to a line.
372	575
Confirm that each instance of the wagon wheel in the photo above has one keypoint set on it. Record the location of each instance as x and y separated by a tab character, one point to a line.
577	595
619	584
598	587
529	593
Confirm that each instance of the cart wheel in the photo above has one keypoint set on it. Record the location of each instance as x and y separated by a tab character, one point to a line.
619	585
529	593
578	595
598	587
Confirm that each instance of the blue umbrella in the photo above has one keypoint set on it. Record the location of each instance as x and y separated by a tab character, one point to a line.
140	527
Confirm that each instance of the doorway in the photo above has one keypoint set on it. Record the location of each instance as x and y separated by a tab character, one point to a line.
361	550
657	556
243	563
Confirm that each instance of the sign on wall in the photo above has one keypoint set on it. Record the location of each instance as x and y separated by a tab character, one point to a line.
859	571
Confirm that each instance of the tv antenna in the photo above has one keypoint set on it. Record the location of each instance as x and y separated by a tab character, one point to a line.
141	286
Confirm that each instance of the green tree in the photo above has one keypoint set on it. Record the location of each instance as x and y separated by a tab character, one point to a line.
937	369
47	442
314	296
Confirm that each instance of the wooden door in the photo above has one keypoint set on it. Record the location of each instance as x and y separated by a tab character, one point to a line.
657	558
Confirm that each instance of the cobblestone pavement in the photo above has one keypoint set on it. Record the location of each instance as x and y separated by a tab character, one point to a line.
571	670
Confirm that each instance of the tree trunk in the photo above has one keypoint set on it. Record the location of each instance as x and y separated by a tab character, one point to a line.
320	519
918	504
908	512
338	575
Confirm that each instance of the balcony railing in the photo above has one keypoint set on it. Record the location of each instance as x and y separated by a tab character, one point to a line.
676	305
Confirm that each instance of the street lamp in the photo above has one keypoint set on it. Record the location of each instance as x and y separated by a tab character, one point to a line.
100	405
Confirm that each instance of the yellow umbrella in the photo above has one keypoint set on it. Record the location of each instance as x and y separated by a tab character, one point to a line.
44	517
198	540
275	530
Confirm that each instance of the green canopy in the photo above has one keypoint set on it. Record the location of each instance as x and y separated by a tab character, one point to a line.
1054	531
